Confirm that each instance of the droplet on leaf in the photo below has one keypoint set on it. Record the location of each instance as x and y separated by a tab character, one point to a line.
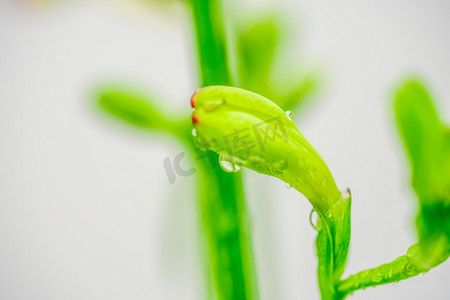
290	115
227	165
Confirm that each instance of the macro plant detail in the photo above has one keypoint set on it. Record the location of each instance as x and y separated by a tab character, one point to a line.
230	269
221	111
285	154
225	150
247	122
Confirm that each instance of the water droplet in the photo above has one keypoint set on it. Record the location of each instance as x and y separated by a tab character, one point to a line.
328	214
288	186
289	115
390	273
227	165
194	132
315	220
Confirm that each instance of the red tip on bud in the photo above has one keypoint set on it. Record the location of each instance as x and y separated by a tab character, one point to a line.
194	96
195	119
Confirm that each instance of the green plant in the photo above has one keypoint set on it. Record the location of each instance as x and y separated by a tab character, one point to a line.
229	260
223	112
278	149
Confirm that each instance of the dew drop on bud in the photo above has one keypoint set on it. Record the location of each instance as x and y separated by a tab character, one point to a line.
288	186
227	165
194	132
315	220
290	115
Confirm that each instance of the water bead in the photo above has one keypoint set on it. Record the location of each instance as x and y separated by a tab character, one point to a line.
289	115
227	165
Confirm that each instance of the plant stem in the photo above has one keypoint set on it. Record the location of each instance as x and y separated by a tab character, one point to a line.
404	267
211	45
222	203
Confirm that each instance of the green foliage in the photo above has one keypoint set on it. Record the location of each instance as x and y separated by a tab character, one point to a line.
276	147
427	141
272	145
131	109
258	45
282	151
223	111
229	259
332	243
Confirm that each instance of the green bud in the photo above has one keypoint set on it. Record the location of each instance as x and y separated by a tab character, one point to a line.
249	130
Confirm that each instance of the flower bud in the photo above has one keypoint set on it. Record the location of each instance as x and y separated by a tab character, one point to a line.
249	130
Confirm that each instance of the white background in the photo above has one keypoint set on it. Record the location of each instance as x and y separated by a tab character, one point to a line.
86	210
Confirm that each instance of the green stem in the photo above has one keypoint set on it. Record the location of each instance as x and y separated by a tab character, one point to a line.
211	45
222	203
404	267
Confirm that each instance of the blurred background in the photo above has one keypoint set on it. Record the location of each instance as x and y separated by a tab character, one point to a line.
87	210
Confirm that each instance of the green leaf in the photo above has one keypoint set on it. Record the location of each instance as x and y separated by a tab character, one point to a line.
140	111
299	91
132	109
427	142
324	246
332	243
258	45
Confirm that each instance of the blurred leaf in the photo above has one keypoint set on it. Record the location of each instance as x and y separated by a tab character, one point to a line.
256	50
299	92
258	46
131	109
140	111
424	138
427	142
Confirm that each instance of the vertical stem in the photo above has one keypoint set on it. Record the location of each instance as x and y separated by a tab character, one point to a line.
222	203
211	45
